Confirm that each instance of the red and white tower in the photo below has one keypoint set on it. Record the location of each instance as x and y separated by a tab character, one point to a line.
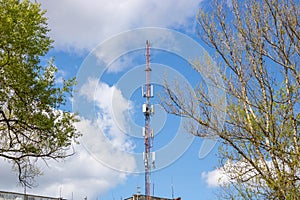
148	110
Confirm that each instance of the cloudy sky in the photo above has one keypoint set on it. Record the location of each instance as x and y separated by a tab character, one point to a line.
81	25
106	164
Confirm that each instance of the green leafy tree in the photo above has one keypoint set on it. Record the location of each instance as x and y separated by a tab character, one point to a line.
257	45
32	126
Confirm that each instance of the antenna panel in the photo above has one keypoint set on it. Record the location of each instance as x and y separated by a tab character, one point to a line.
151	91
145	108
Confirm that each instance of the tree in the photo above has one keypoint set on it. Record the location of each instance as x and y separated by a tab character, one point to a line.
257	45
32	126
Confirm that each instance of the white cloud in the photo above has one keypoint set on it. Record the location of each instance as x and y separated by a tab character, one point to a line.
214	178
112	107
242	170
88	172
82	24
228	173
80	174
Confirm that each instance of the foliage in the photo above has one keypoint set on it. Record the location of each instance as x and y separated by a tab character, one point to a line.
31	124
258	46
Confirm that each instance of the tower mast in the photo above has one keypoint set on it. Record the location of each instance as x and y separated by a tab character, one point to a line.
148	111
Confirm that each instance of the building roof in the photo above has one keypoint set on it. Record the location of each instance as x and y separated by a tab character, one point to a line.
143	197
19	196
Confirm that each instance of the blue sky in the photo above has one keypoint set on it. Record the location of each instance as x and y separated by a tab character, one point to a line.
101	43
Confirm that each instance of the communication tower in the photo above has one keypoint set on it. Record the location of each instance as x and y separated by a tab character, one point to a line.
148	133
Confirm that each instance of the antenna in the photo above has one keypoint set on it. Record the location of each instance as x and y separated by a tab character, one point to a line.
60	196
138	191
172	187
153	189
148	110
